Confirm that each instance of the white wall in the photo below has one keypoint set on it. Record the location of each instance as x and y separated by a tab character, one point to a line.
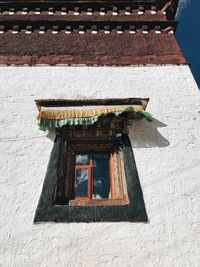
167	154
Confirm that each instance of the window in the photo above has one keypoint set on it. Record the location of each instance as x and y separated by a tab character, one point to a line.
92	179
72	191
91	175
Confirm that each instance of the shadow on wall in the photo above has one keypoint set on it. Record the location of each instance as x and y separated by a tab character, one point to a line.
145	134
51	134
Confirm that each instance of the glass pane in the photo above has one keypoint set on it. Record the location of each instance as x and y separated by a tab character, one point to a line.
82	159
81	187
101	176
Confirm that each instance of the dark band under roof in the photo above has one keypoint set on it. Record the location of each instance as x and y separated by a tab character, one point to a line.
90	102
15	6
88	24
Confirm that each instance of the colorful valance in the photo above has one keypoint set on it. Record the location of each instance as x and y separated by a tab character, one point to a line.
84	115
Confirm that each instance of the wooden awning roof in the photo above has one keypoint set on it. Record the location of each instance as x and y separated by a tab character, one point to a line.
53	103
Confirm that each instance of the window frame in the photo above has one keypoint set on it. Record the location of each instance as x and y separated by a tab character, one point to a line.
48	211
99	145
89	183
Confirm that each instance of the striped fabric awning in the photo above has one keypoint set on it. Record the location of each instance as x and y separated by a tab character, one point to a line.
58	116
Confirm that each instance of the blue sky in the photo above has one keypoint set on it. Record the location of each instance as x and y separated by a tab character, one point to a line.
188	34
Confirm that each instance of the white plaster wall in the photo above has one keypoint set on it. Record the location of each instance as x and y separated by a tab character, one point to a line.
167	154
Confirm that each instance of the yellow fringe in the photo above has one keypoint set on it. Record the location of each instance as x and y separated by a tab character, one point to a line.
59	114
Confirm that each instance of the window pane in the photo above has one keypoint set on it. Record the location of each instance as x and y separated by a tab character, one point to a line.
81	187
101	176
82	159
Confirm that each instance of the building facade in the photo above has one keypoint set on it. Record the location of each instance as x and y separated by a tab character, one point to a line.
82	51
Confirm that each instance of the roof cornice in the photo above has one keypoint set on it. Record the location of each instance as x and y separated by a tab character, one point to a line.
166	7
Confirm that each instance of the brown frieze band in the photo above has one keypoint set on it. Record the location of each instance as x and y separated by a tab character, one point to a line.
89	49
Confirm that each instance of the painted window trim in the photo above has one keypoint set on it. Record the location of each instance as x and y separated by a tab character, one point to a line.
65	186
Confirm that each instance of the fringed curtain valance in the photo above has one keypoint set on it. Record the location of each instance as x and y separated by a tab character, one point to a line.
58	117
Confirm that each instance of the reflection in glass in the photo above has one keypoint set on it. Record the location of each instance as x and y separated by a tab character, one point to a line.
81	189
101	176
82	159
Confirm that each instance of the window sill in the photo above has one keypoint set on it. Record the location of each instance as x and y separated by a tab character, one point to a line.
98	202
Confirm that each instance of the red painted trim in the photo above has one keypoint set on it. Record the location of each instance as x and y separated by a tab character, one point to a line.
77	167
81	198
111	169
90	179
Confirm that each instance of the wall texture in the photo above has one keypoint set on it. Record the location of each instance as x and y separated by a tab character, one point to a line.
167	157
